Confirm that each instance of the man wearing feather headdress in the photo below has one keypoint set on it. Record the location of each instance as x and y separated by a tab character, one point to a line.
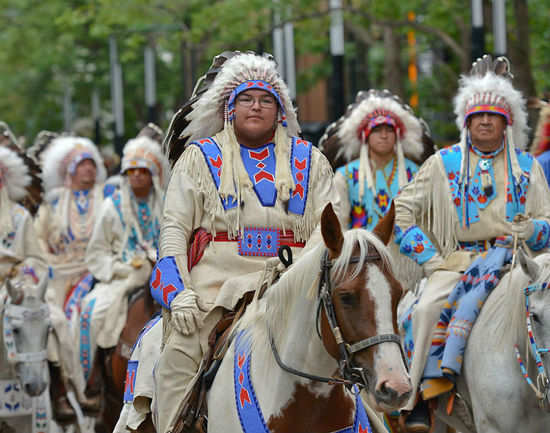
73	176
121	252
385	133
455	216
244	185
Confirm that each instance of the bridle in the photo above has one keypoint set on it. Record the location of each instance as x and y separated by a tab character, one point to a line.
18	312
542	389
350	374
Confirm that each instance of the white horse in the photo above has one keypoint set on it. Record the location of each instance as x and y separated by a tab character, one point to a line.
24	404
331	316
497	397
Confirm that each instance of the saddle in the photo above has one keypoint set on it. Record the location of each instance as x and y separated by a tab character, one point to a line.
194	416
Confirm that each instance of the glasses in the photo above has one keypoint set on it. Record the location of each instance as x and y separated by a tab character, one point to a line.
249	101
137	171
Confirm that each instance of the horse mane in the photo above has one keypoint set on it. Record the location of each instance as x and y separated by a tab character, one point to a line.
271	313
506	306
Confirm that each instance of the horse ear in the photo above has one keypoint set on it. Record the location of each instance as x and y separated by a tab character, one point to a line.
332	231
529	266
384	228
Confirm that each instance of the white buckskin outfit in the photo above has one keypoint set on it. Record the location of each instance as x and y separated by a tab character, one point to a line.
122	247
248	201
437	229
64	225
18	249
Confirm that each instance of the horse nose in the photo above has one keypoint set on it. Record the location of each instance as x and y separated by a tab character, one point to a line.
393	394
34	389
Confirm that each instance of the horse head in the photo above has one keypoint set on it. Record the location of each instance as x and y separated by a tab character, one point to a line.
358	319
25	332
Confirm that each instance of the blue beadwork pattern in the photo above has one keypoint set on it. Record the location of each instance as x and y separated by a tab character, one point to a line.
166	282
516	195
213	157
415	244
300	164
130	382
82	288
149	227
540	237
85	339
246	402
82	201
260	166
253	84
367	212
108	190
248	409
259	242
461	309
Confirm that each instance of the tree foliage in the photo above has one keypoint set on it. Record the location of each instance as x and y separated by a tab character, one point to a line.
46	47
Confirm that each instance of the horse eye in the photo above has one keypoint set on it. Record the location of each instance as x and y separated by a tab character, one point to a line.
535	318
347	298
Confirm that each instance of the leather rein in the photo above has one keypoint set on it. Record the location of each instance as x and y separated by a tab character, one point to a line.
350	374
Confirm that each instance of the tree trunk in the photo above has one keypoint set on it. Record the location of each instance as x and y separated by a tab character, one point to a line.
520	50
186	69
393	71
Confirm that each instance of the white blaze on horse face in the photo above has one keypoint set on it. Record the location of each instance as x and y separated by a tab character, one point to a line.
388	361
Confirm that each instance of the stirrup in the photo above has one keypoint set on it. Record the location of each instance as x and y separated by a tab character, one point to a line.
62	410
432	388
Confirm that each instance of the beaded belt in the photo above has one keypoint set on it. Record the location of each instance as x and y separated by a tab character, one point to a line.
261	241
484	245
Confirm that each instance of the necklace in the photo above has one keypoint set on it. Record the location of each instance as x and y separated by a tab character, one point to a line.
389	180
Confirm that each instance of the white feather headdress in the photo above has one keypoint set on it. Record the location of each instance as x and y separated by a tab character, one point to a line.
207	117
488	88
144	152
371	102
14	178
14	174
211	115
367	107
61	153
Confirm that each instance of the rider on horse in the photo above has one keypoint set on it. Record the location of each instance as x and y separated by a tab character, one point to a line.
449	218
385	133
244	186
73	173
122	250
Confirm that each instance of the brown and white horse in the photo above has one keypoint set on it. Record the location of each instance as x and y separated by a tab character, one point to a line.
333	314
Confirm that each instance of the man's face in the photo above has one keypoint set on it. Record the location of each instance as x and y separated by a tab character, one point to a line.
382	140
255	114
486	130
140	180
85	174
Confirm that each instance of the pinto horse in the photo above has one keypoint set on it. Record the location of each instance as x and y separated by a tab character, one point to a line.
301	352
